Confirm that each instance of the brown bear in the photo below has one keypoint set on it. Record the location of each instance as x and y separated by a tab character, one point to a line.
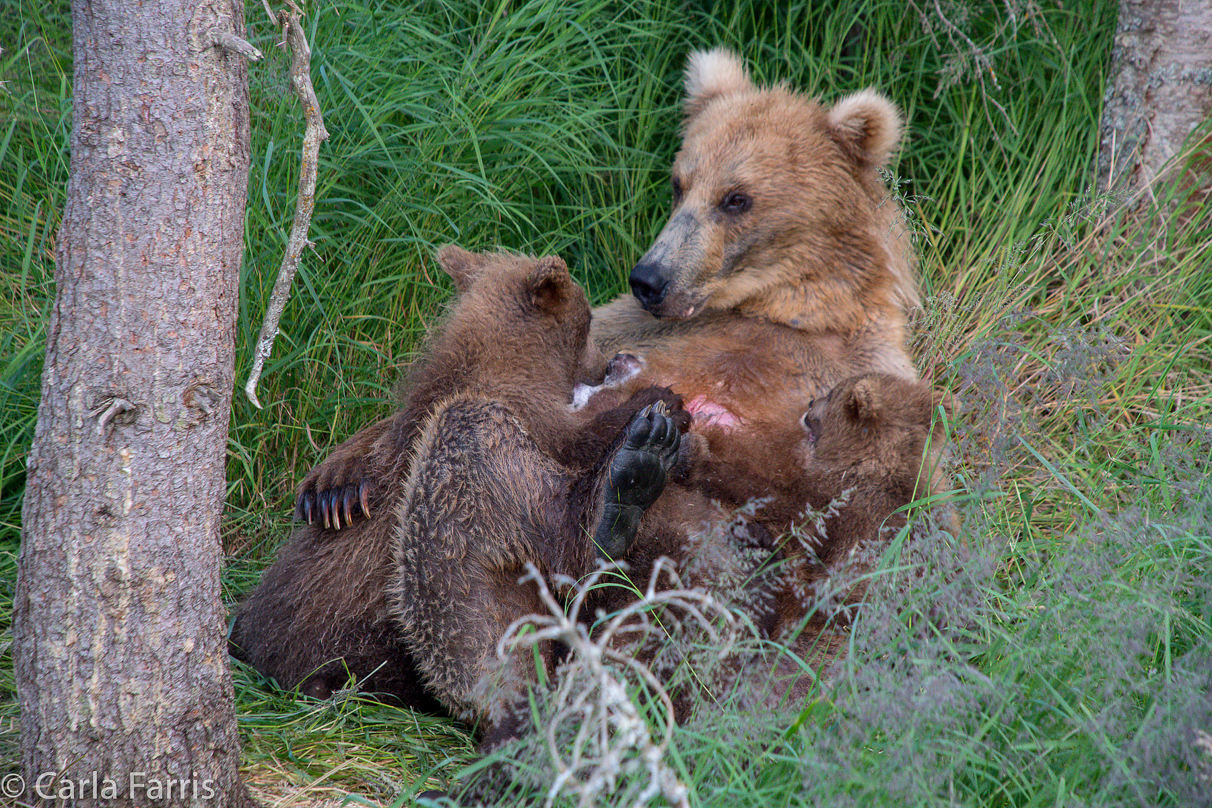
784	268
782	271
871	447
485	499
499	458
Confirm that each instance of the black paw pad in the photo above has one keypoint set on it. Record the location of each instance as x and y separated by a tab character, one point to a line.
638	472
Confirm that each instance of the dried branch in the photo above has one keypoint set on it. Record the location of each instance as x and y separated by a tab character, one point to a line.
315	134
229	41
967	57
612	741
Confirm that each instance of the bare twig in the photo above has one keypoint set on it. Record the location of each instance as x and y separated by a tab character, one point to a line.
967	57
313	136
982	60
229	41
612	740
109	409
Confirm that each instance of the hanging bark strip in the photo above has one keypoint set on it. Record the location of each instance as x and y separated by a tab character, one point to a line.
295	40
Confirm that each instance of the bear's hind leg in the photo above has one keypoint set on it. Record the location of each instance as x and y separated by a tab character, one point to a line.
635	476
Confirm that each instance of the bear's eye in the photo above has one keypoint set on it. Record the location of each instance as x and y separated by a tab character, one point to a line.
736	202
677	192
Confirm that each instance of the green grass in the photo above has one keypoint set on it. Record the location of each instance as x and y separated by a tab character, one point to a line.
1059	655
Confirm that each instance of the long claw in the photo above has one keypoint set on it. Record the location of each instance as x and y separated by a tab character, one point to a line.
323	504
348	498
336	511
364	497
660	430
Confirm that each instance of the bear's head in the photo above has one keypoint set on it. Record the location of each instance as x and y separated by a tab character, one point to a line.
882	427
778	208
521	319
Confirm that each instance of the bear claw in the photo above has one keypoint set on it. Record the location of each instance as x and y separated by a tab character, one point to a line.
334	507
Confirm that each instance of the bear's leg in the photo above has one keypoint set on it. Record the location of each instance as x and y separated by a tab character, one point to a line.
635	476
319	615
482	501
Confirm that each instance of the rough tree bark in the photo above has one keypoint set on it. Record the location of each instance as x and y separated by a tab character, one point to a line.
1160	89
120	657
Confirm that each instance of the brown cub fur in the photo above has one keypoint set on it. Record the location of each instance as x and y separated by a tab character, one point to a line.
487	493
865	450
870	447
514	344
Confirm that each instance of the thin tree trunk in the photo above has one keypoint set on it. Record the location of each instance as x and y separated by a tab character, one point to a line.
120	656
1159	91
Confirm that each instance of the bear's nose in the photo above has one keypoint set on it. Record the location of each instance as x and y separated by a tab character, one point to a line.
647	285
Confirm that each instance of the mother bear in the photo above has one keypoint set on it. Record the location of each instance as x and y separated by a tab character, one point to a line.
784	269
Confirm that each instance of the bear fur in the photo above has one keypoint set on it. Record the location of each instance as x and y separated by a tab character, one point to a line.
866	450
782	228
784	268
504	362
871	447
487	493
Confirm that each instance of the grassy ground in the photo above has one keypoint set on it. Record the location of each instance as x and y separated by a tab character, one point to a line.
1060	655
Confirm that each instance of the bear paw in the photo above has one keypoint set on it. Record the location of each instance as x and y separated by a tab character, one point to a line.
637	475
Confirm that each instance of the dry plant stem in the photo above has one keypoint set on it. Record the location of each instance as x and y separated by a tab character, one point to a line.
595	765
315	134
984	64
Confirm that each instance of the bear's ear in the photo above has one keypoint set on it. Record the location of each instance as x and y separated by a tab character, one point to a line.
863	400
867	126
462	266
548	284
710	74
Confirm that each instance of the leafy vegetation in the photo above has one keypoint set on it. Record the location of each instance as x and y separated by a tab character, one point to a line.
1060	654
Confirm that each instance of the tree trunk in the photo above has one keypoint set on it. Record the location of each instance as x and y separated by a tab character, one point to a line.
120	656
1159	90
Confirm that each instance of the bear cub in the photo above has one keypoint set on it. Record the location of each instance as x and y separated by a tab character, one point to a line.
872	446
504	475
485	437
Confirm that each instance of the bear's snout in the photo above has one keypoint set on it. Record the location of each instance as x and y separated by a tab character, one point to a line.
648	285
